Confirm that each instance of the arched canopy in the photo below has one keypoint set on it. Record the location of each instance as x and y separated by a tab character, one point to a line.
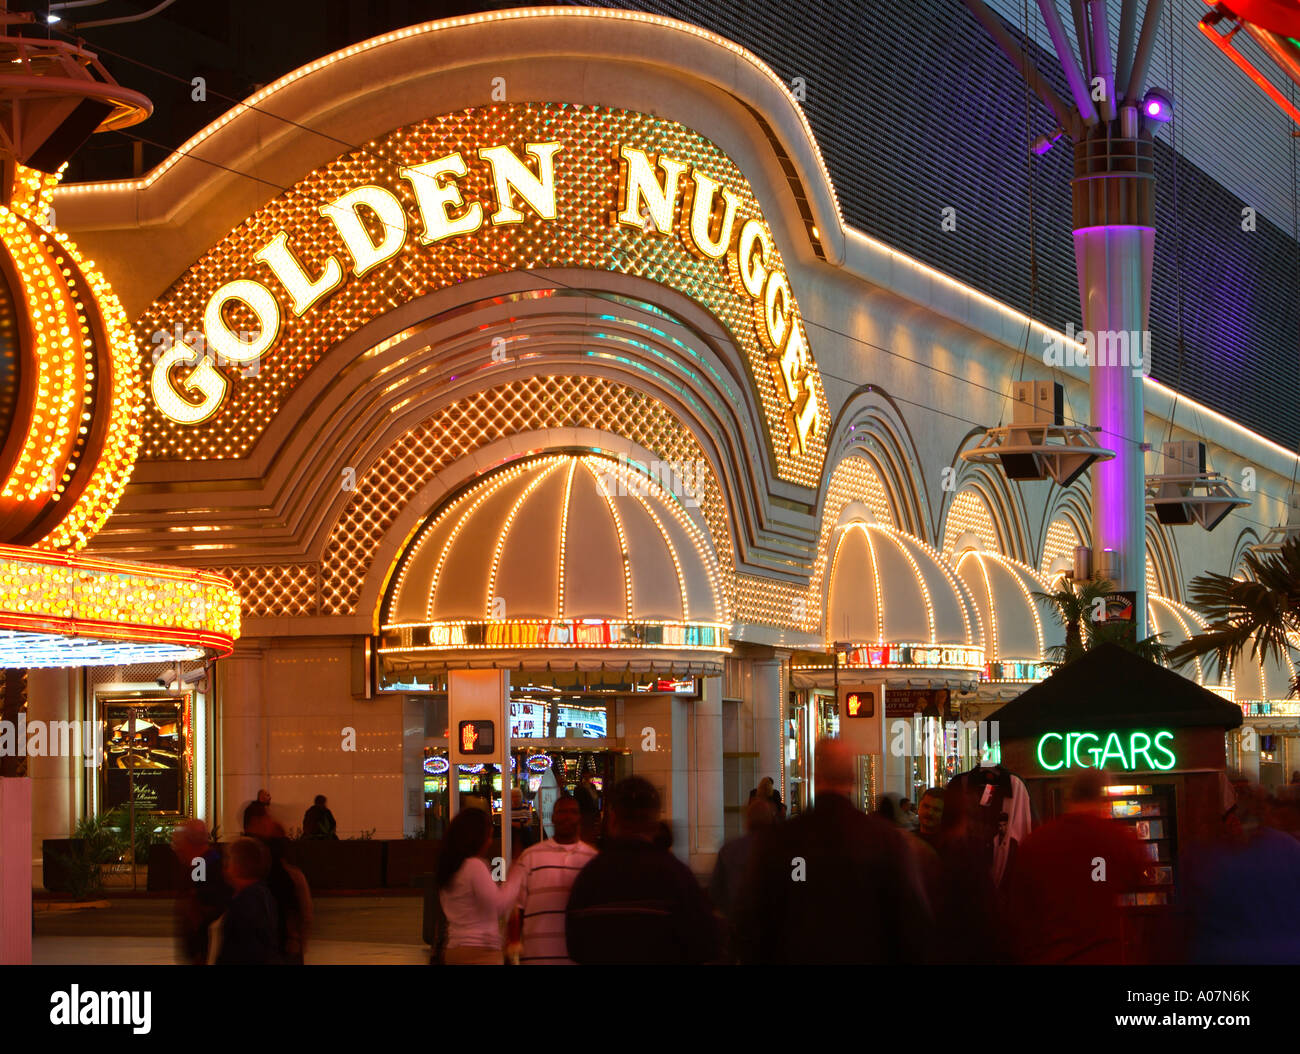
571	560
1176	623
1019	629
896	603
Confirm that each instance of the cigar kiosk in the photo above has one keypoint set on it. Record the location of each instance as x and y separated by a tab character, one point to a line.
1160	741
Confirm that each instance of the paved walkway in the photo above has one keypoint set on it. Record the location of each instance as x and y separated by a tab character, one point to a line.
135	932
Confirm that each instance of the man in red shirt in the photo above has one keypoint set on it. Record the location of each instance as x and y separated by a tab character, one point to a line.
1062	897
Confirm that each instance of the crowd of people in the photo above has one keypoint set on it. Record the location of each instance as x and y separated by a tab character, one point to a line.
258	902
938	884
837	885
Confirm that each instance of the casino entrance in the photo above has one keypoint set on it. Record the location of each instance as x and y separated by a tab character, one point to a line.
559	734
595	588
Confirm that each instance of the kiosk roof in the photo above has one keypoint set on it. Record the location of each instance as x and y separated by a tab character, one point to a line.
1111	688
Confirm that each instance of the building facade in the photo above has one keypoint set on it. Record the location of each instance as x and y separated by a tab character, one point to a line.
537	341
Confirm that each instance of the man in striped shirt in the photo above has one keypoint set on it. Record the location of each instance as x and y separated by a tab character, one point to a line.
549	869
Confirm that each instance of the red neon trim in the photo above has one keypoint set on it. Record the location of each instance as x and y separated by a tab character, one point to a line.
95	563
1224	43
105	630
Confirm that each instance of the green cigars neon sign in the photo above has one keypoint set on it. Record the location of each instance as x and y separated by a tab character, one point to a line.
1124	751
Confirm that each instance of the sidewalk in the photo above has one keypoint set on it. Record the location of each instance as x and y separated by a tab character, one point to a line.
130	932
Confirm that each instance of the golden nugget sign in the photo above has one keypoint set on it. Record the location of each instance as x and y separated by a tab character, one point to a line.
420	197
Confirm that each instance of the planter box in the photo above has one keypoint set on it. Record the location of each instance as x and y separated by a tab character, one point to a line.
339	865
407	860
164	870
54	862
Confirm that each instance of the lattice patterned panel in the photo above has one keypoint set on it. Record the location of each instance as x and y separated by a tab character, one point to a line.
970	513
581	234
144	673
1061	540
534	403
771	603
274	589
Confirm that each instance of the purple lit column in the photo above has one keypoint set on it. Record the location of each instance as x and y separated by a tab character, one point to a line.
1114	239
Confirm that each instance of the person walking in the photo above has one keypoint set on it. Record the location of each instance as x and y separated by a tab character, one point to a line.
292	895
204	893
834	885
635	902
472	903
318	821
1063	890
588	797
548	871
733	861
250	923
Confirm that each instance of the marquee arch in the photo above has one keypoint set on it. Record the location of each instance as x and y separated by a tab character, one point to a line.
871	427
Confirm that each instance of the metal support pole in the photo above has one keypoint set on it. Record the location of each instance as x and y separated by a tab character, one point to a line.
1101	65
1146	45
1087	60
1065	116
1114	243
1082	99
1124	46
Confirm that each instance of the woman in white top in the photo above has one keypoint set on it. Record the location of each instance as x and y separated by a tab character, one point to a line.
473	904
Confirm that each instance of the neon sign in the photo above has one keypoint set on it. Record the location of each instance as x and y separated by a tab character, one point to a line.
1122	751
870	656
476	737
425	202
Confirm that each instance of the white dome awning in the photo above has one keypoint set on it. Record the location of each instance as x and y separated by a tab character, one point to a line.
898	605
1019	630
1176	623
575	560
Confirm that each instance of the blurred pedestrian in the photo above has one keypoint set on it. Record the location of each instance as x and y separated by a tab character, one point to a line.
1242	895
734	860
472	903
635	902
907	815
959	882
929	817
318	821
548	871
292	895
888	808
588	796
1062	892
833	885
256	809
203	893
250	923
766	790
521	824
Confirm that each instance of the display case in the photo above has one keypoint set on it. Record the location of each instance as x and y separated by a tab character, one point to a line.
1149	810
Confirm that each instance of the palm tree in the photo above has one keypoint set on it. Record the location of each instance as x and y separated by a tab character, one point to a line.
1073	607
1257	613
